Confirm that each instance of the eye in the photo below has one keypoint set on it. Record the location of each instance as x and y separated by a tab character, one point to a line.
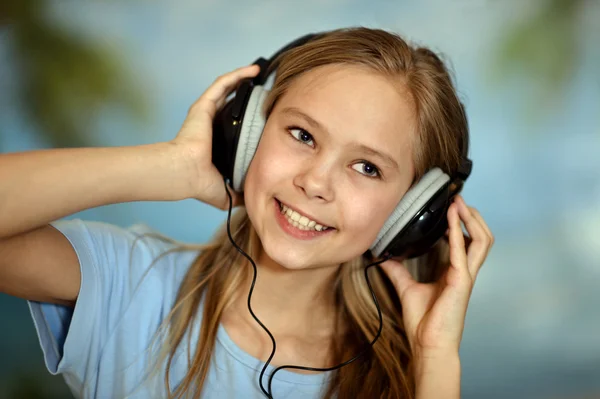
367	169
301	135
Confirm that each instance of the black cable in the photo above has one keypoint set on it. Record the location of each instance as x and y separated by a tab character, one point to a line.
268	392
355	357
250	293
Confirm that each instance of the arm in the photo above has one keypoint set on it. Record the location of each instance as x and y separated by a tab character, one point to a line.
36	261
45	185
438	377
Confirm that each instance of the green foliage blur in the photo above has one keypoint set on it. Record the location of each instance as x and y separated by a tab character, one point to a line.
29	386
546	49
63	80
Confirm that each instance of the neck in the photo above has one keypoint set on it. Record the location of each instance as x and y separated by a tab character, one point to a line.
289	301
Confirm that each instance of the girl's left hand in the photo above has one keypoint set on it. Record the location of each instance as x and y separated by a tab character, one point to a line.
434	313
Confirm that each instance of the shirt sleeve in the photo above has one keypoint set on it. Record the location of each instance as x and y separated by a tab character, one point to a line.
113	262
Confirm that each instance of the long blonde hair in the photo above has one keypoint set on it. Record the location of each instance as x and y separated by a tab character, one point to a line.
219	271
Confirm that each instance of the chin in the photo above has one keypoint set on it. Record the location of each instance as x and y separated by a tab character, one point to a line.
288	259
292	260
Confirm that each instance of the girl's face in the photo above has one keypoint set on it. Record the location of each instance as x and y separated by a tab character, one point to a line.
337	152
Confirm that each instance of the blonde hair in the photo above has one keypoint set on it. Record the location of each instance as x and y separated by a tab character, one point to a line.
219	271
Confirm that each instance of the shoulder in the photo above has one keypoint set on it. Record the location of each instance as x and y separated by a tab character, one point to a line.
131	251
130	277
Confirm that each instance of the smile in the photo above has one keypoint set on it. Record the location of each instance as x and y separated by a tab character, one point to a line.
298	225
300	221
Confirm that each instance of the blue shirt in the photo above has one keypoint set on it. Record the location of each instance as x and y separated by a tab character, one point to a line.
102	346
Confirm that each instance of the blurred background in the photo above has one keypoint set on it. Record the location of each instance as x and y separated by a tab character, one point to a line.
116	73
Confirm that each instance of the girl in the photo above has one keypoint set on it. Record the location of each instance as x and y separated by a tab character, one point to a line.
354	119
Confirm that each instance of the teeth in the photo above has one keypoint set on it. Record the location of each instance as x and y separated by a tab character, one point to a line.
299	221
293	215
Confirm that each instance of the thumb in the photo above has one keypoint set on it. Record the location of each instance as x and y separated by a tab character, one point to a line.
398	275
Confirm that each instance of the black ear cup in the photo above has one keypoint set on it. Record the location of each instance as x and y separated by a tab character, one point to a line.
224	142
406	213
425	229
226	129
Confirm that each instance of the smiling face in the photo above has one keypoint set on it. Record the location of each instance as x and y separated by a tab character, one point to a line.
337	150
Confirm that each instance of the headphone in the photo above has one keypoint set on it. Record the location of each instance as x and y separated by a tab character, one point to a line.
418	221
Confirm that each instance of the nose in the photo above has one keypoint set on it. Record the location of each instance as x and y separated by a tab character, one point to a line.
317	178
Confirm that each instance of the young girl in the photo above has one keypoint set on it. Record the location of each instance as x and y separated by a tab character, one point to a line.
354	119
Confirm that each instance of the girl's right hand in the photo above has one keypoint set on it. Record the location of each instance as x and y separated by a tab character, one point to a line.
194	140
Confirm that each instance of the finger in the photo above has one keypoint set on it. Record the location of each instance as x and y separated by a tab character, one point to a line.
224	84
490	239
479	218
398	275
220	101
465	237
478	248
218	91
458	254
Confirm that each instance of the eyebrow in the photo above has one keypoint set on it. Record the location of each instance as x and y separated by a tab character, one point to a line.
360	147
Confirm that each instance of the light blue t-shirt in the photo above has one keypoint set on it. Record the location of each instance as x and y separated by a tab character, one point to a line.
102	346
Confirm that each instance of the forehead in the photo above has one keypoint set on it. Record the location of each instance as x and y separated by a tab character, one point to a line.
356	105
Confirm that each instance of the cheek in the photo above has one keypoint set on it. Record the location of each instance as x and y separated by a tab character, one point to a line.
266	168
365	218
272	162
253	185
